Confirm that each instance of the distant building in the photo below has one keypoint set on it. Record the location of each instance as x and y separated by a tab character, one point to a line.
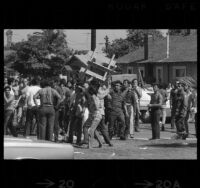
157	68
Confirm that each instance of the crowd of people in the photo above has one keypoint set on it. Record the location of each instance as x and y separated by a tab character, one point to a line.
91	109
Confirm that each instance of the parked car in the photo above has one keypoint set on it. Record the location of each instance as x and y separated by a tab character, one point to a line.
23	148
145	100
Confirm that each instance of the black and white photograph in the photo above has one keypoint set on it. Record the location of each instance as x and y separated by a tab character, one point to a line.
100	94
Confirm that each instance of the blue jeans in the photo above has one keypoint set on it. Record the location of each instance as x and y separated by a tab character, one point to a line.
31	127
46	123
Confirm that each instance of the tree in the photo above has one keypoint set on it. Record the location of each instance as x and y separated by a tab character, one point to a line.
136	36
42	49
181	32
134	39
119	47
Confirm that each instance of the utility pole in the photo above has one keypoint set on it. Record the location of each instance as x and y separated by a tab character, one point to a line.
168	44
146	46
93	39
106	43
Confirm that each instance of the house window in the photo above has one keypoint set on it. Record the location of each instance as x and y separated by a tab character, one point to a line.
179	71
129	70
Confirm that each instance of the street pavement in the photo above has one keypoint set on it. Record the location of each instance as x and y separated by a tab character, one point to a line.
140	147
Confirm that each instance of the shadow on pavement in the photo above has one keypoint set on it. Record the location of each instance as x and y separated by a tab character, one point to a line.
166	130
172	145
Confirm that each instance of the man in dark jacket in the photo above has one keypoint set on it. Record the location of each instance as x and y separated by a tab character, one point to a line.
180	112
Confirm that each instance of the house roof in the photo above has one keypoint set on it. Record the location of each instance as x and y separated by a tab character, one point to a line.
181	48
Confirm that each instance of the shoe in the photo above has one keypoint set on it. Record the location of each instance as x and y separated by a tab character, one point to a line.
122	138
176	137
137	130
184	136
163	128
110	144
131	136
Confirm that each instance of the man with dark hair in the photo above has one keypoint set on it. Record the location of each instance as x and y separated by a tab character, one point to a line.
131	104
102	93
118	106
32	111
138	94
11	83
76	114
46	111
155	111
173	94
180	112
9	106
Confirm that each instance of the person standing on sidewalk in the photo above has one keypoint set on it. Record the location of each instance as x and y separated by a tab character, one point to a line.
188	99
46	111
9	106
173	94
155	111
180	112
164	94
131	104
32	110
192	105
118	106
138	94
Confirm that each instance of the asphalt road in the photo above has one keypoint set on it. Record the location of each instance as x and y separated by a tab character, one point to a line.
140	147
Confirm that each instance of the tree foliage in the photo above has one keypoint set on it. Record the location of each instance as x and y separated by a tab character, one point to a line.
42	49
134	39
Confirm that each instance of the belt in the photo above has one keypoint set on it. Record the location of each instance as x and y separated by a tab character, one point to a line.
128	104
49	105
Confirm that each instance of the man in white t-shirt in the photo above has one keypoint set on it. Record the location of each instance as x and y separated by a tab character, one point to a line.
30	128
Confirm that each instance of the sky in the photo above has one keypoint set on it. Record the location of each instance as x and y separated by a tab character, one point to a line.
78	39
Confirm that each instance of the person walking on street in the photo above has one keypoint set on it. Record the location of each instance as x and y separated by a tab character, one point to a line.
102	93
138	94
46	110
155	111
95	115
